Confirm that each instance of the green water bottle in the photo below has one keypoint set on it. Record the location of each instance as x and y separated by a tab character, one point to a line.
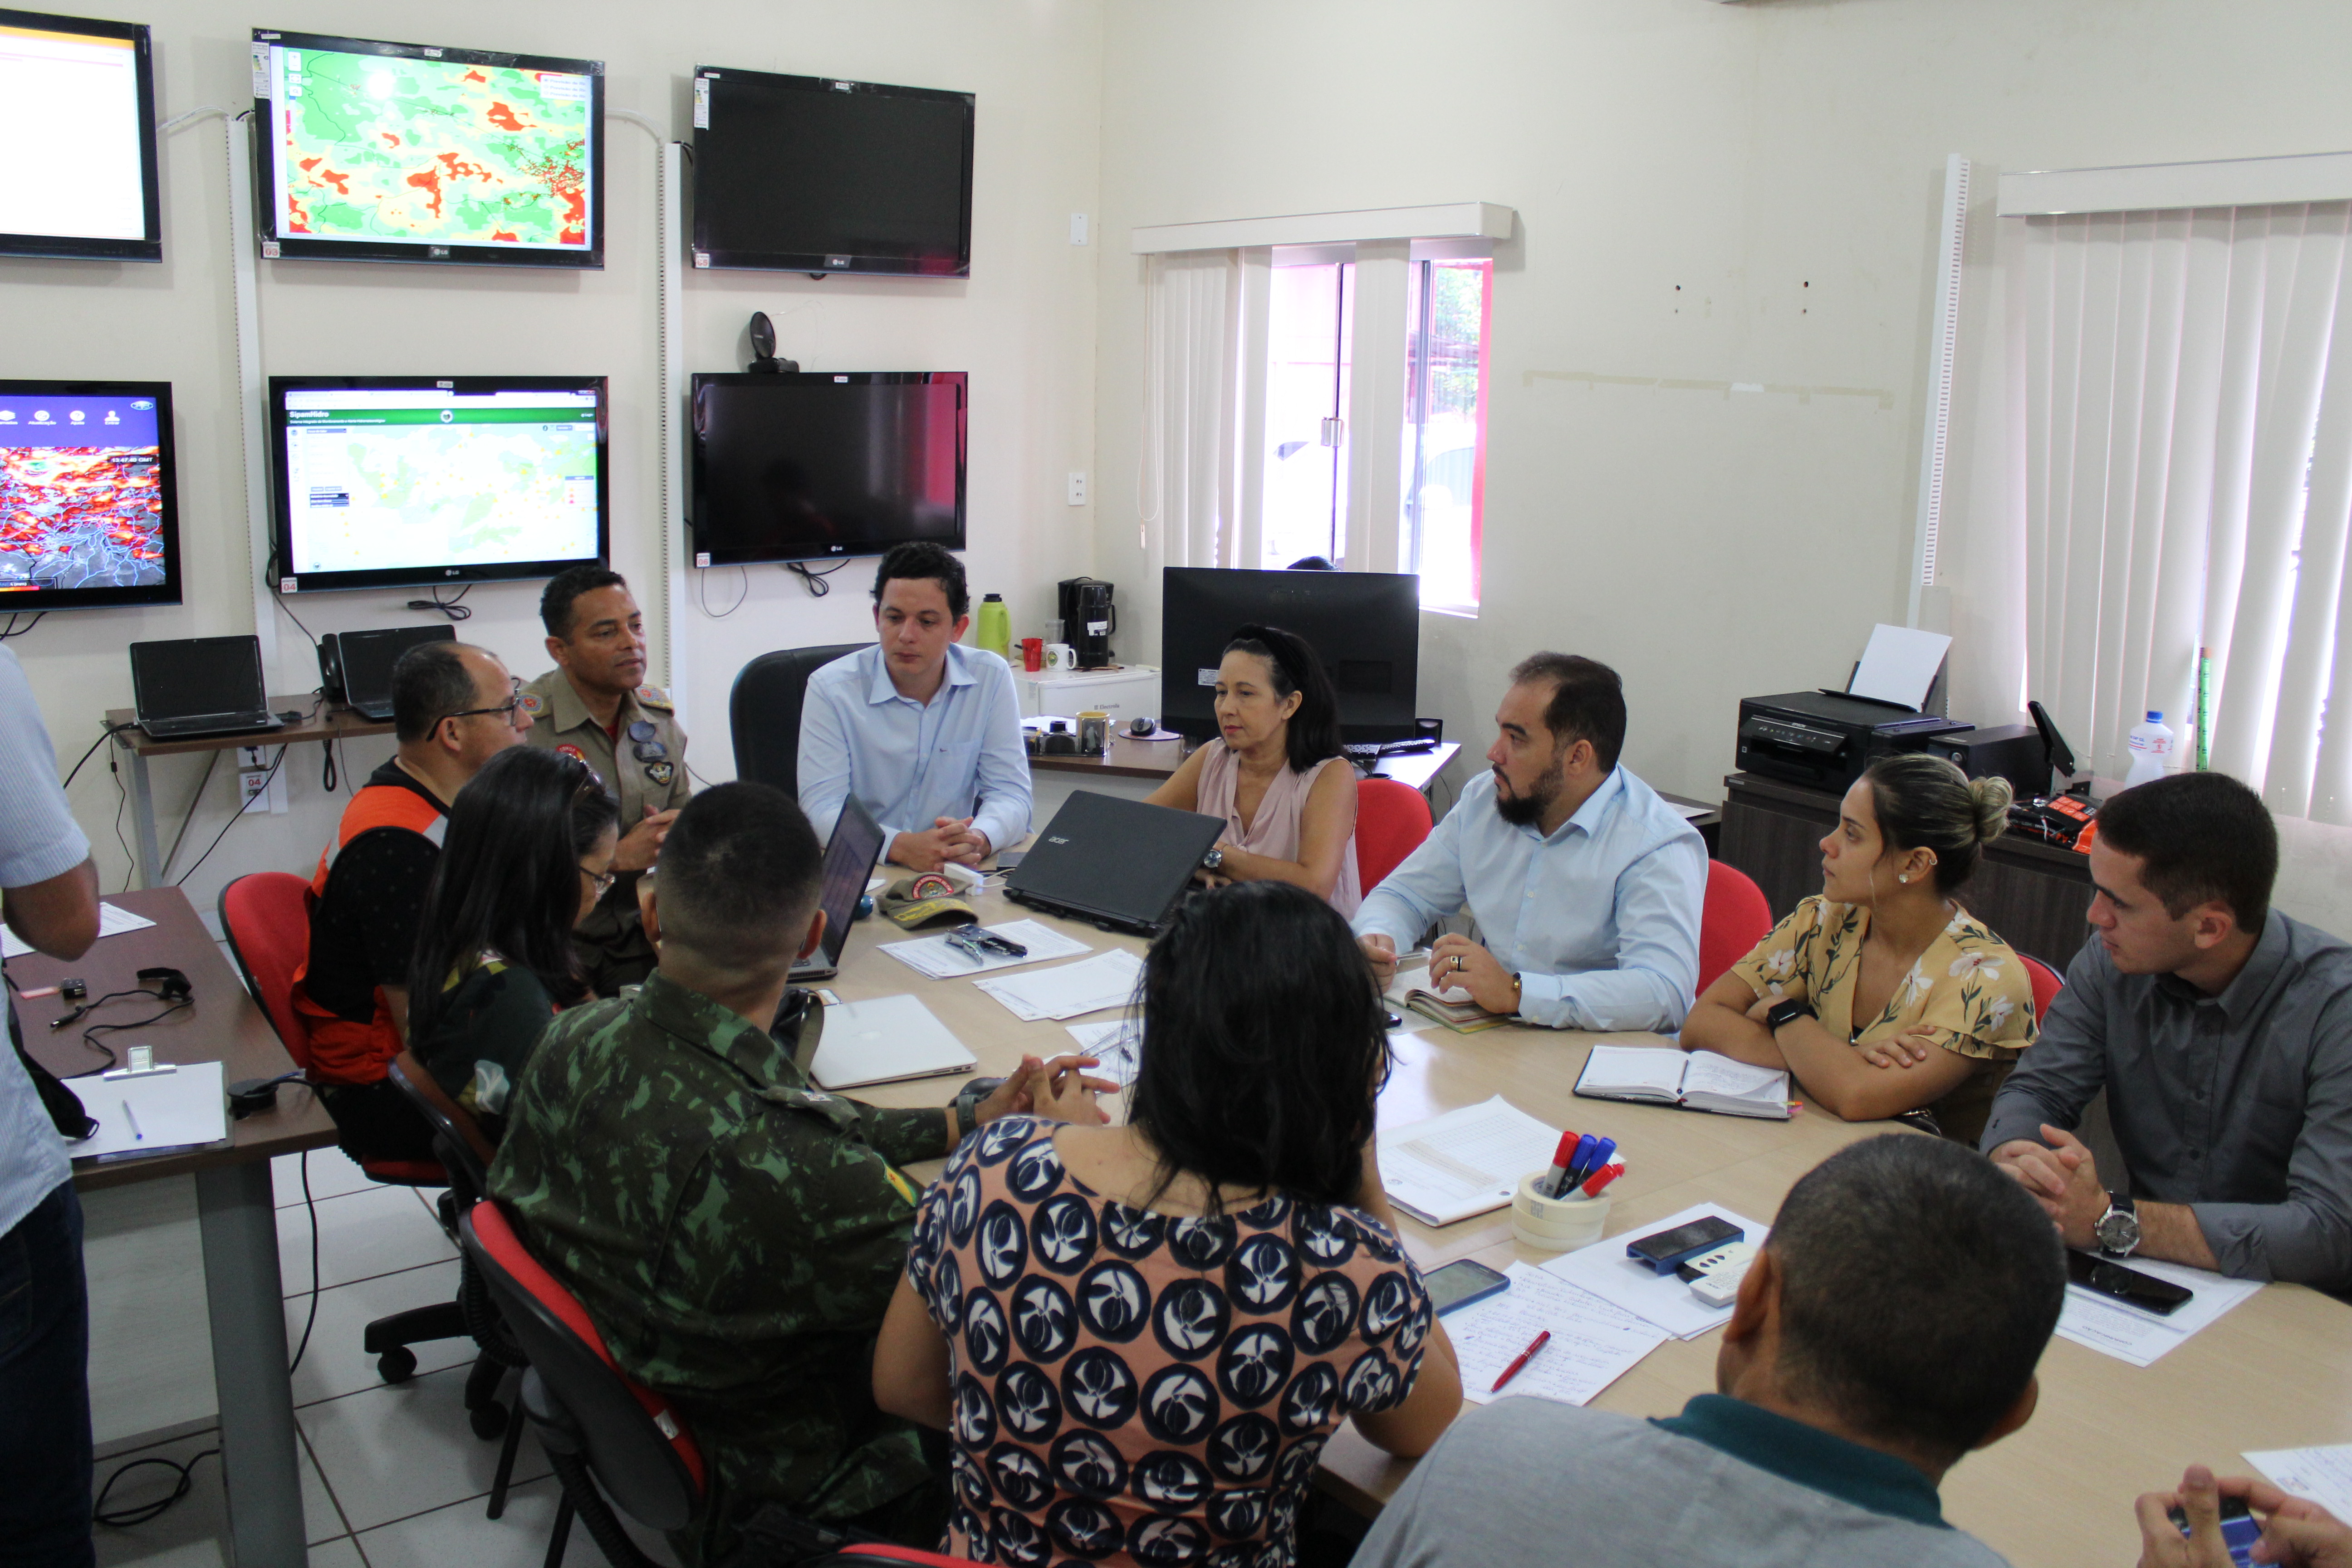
995	627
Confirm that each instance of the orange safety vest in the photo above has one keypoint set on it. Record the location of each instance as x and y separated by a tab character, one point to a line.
343	1051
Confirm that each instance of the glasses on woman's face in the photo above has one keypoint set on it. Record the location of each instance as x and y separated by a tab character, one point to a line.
604	880
506	710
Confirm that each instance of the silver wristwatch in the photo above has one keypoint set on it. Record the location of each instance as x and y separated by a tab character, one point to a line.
2117	1230
1212	860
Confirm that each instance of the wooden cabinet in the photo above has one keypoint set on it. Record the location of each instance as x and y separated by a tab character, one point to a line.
2035	896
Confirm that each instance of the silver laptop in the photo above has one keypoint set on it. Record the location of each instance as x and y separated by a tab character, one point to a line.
200	686
849	858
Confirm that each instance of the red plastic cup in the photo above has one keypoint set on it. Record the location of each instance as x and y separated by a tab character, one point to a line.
1032	654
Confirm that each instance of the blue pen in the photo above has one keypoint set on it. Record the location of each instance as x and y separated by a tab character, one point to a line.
1583	1157
1600	1161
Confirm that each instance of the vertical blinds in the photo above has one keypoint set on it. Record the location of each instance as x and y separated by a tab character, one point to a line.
2188	482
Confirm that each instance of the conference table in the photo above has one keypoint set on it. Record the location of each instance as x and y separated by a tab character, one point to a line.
2274	1372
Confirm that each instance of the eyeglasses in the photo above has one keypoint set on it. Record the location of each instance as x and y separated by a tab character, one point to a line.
604	880
506	710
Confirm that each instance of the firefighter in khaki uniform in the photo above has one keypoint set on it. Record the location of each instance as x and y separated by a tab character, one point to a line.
593	705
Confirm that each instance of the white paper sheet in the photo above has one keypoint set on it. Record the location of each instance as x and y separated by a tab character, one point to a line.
158	1113
1691	813
1899	665
112	920
1666	1300
1593	1344
2127	1333
1464	1163
941	960
1106	980
2322	1475
1113	1044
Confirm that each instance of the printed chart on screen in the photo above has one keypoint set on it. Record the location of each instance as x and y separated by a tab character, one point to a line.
381	480
82	501
76	98
378	149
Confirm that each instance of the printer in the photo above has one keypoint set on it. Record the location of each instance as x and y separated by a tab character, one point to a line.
1825	739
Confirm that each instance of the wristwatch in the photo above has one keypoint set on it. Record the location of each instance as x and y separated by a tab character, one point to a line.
2117	1230
1213	861
1788	1011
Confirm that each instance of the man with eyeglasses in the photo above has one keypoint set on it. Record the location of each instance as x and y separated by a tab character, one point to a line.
454	707
595	705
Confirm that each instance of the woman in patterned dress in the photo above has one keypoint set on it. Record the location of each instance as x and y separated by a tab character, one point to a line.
1914	1006
1139	1338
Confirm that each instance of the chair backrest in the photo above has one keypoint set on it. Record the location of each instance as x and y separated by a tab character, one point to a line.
1392	819
266	917
764	712
635	1445
465	1149
1735	918
2047	984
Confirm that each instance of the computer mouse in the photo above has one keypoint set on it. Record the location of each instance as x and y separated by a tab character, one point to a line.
864	905
1142	727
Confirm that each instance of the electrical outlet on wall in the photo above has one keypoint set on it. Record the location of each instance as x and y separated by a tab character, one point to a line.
1077	487
1077	228
252	756
260	790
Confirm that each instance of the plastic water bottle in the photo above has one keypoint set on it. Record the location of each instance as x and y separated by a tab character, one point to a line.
996	628
2151	749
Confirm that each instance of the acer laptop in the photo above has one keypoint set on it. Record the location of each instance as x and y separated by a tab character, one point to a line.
200	686
358	665
1120	863
849	857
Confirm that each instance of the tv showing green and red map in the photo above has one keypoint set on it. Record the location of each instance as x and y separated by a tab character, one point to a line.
88	511
406	153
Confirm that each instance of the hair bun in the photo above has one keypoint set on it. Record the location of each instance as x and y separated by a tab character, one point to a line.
1991	797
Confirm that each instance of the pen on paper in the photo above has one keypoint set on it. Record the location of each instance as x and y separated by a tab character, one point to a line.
1520	1361
129	1116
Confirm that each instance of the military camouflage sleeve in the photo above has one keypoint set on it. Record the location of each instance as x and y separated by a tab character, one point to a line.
903	1137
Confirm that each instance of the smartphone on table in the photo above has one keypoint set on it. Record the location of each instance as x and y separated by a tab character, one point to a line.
2240	1530
1661	1251
1459	1284
2129	1286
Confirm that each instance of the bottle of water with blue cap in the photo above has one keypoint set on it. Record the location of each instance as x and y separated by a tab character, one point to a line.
2151	750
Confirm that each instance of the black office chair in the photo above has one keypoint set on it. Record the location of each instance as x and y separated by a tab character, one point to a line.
764	712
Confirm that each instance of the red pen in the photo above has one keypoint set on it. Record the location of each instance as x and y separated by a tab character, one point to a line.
1550	1182
1608	1174
1524	1357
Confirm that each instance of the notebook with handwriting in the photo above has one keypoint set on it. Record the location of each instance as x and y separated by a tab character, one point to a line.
1695	1080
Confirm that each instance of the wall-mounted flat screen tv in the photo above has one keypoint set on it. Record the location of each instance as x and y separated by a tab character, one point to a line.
78	117
803	173
383	151
812	465
385	480
88	504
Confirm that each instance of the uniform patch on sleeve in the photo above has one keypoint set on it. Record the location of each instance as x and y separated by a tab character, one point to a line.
654	696
533	703
574	753
905	1188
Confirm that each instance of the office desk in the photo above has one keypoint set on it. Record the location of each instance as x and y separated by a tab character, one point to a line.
325	725
235	1205
1128	758
2276	1372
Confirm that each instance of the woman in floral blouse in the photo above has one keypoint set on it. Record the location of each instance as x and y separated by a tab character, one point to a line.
1881	993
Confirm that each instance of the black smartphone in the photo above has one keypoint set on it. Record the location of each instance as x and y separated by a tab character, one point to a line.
2240	1530
2129	1286
1663	1249
1459	1284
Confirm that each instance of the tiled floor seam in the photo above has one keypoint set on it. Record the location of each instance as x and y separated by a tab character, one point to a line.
304	1295
337	1504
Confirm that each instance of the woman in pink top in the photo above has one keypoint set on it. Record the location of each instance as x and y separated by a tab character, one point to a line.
1275	773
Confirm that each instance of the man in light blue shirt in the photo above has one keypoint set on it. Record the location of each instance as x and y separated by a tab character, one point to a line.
924	732
1585	884
48	896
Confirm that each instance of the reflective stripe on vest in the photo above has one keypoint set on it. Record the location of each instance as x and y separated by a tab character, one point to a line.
380	805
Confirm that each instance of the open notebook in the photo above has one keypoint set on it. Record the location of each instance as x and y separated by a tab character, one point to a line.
1695	1080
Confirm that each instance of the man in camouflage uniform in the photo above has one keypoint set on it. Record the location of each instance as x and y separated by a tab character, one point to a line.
595	705
734	1233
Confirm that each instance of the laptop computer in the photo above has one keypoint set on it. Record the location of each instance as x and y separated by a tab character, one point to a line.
200	686
887	1039
1120	863
360	663
849	857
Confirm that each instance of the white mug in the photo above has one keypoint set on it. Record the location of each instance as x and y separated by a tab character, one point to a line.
1061	656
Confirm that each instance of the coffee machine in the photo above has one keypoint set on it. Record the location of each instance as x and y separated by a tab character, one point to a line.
1088	618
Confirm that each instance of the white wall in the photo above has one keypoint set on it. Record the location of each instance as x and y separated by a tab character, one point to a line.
1022	326
1706	192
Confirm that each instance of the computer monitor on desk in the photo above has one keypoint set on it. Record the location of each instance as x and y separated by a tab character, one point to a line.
1365	625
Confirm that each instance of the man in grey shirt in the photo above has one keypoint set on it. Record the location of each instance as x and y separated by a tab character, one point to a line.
48	896
1893	1262
2222	1031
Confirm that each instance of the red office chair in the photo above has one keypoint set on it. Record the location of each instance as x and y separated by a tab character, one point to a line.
2047	984
1733	920
1392	819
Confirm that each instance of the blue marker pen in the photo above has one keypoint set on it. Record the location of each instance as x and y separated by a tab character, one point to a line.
1602	1155
1583	1157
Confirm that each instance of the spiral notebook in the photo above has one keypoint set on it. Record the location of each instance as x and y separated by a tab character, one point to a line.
1695	1080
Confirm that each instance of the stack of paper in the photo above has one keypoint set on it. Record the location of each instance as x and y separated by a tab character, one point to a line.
1666	1300
153	1113
112	920
2322	1475
2127	1333
1593	1344
1463	1163
943	959
1107	980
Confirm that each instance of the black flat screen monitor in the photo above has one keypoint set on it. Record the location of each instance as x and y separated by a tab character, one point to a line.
803	173
377	152
89	506
1365	627
78	116
813	466
377	482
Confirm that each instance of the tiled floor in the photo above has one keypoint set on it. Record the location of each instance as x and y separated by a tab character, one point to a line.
392	1476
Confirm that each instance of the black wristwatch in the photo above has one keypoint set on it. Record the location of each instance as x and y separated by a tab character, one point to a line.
2117	1230
1788	1011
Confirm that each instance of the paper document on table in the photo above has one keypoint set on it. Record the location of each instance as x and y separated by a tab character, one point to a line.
112	920
1463	1163
1106	980
159	1113
1899	665
2322	1475
1665	1298
1692	813
2124	1331
1593	1342
1112	1043
943	959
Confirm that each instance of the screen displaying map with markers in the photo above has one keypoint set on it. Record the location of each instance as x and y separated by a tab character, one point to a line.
396	479
81	494
384	149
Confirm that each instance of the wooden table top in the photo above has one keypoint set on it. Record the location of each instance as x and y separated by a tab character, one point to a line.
225	1026
2274	1372
321	724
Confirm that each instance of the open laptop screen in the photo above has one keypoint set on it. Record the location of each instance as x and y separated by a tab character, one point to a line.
191	676
849	858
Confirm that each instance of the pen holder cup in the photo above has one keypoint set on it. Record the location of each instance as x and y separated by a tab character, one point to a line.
1556	1225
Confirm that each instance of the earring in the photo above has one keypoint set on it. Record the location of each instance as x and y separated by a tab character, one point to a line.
1903	876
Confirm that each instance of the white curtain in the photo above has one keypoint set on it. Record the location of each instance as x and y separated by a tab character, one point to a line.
2187	481
1189	506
